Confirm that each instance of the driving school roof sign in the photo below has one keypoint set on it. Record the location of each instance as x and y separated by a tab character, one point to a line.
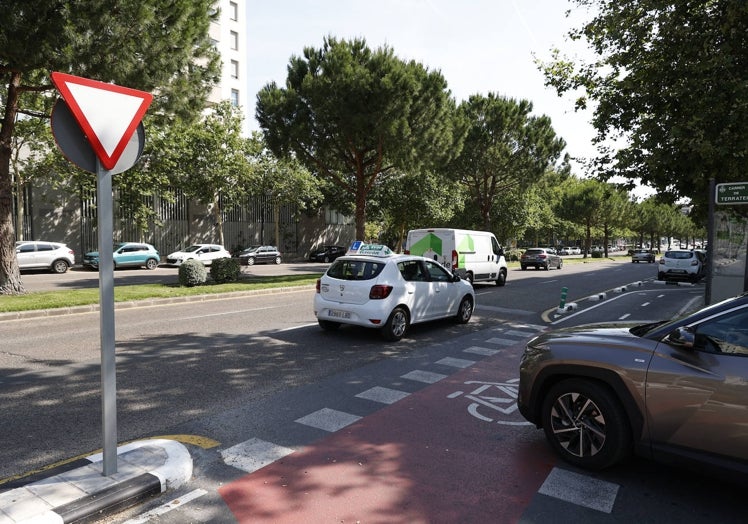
734	193
107	114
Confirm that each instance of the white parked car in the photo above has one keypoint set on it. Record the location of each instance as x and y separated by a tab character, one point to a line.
37	254
205	253
682	264
378	289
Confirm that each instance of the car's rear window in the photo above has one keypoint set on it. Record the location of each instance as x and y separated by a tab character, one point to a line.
355	269
534	251
679	255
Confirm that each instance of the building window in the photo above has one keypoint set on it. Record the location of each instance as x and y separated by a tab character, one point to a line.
234	40
235	97
234	69
233	11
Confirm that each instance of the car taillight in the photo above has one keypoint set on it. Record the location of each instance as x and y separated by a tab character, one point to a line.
318	285
455	260
407	251
541	256
379	291
694	262
662	261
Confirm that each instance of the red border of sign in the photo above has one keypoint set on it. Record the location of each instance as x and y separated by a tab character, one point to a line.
61	80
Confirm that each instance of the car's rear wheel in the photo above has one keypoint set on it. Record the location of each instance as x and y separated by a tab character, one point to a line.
277	260
465	311
328	325
60	266
151	263
586	425
326	260
523	268
397	325
560	264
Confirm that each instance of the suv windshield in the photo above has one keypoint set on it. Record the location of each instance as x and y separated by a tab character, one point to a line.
355	269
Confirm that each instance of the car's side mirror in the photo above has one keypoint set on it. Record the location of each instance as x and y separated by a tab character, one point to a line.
456	277
682	337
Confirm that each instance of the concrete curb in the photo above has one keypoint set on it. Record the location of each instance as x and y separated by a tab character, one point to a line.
144	469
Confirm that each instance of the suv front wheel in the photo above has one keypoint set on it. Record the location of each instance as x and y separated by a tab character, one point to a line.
585	423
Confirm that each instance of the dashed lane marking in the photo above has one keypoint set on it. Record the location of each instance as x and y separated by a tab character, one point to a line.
254	454
327	419
486	352
456	362
383	395
427	377
581	490
501	341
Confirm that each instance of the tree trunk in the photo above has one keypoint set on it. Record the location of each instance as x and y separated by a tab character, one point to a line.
218	219
10	276
276	220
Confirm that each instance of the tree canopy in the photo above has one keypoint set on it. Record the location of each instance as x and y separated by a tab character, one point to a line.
671	81
354	115
160	46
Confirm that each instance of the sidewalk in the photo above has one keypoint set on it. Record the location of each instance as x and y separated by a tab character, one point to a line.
80	491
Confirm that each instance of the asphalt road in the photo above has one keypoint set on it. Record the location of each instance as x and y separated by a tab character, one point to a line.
228	370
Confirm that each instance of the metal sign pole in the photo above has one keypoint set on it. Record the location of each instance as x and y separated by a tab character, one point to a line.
106	318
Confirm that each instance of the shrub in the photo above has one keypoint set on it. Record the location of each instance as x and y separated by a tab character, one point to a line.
192	273
512	255
597	254
224	270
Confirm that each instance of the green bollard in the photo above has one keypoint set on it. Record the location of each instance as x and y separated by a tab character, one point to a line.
563	298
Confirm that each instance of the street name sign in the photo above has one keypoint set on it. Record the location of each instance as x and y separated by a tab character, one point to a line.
733	193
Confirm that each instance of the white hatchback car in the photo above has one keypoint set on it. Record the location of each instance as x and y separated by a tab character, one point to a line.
205	253
54	256
389	292
682	264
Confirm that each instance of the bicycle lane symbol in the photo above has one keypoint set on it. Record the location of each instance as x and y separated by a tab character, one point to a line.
498	399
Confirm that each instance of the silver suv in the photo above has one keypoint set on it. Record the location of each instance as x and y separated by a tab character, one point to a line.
672	390
38	254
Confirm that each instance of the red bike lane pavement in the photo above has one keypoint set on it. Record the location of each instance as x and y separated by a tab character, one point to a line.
455	451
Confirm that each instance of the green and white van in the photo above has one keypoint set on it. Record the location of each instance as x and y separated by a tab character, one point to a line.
474	255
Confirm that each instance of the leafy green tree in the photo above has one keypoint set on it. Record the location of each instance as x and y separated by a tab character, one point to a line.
505	149
286	181
160	46
670	79
209	160
403	207
355	116
583	203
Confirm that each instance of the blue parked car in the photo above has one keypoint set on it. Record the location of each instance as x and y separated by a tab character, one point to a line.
127	254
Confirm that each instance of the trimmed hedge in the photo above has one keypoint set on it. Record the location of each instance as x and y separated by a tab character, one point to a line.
192	273
224	270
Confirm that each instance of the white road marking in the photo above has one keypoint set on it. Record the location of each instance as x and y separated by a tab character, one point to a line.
456	362
581	490
383	395
327	419
645	304
254	454
426	377
624	317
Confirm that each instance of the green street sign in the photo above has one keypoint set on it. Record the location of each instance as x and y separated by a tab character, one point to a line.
735	193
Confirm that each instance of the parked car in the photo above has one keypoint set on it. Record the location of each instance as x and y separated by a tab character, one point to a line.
380	290
127	254
576	250
681	264
260	255
672	390
540	257
642	255
565	251
38	254
205	253
326	253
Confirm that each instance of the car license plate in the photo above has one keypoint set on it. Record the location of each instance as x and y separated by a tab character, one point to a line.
338	314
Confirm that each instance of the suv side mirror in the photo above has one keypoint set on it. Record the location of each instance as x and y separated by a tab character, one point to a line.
682	337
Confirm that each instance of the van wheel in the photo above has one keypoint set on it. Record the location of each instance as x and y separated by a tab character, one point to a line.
560	264
469	277
397	325
501	279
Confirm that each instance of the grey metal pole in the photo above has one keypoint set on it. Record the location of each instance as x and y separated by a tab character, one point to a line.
710	243
106	318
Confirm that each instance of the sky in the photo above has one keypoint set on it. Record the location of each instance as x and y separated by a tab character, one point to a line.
480	46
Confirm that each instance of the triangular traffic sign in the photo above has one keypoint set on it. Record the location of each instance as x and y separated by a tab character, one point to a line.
108	114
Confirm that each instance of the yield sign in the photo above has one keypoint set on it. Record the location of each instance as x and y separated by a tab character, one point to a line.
108	114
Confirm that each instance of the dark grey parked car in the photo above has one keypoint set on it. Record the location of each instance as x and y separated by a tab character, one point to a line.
540	257
674	391
260	255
